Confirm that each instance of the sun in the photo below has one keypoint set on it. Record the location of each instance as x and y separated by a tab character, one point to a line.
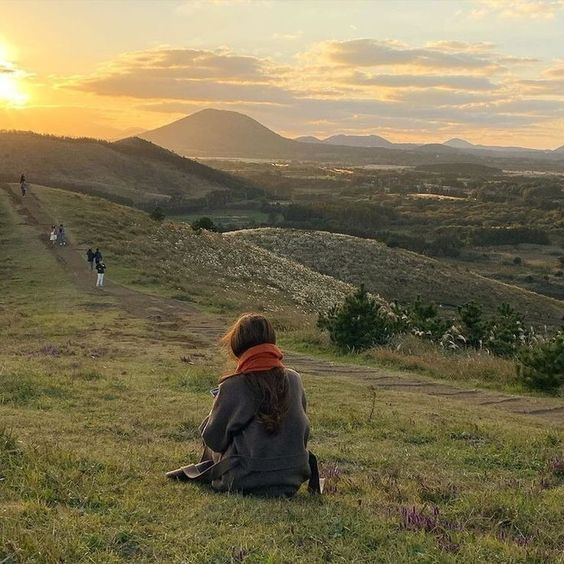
11	92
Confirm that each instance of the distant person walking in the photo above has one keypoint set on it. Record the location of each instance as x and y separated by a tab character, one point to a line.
97	256
101	270
90	258
53	234
23	184
61	236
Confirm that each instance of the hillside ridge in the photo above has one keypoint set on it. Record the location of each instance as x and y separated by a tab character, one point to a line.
132	171
399	274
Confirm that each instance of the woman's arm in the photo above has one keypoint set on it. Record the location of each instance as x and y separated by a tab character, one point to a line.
232	410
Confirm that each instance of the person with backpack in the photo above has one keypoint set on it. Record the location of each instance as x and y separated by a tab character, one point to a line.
97	256
90	258
101	270
256	434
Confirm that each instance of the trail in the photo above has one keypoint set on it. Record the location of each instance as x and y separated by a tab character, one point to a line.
208	328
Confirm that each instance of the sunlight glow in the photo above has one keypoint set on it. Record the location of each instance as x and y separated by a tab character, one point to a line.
10	90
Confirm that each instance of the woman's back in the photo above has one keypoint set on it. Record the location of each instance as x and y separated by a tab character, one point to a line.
272	463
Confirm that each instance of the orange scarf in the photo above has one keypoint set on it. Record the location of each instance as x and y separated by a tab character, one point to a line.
259	359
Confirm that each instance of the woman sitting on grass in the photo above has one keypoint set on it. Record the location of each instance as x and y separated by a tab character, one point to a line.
256	433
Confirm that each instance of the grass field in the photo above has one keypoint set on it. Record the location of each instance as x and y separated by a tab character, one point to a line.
207	268
396	274
538	268
95	406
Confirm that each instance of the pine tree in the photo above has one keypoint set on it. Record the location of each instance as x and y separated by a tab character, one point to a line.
506	333
358	323
474	326
542	367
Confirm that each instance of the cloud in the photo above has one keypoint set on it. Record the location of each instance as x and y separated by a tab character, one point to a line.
543	87
192	74
539	107
455	82
191	63
461	46
145	86
439	97
5	68
556	71
362	84
374	53
519	9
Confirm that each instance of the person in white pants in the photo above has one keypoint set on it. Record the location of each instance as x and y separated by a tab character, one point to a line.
101	270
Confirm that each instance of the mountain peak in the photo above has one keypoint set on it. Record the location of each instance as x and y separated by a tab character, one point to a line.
357	140
308	139
458	143
218	133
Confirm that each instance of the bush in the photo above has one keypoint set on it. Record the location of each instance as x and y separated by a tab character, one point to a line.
157	214
425	321
204	223
473	325
542	367
506	333
357	324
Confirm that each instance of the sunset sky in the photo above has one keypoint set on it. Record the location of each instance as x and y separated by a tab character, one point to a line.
490	71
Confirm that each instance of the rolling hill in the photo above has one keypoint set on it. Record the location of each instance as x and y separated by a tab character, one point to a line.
399	274
209	268
132	170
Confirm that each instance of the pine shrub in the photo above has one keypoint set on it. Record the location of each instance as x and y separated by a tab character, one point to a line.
358	323
542	367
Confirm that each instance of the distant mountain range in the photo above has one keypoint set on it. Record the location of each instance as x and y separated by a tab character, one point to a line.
225	134
132	171
349	140
378	141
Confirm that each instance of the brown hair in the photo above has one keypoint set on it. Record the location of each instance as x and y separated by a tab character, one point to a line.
270	388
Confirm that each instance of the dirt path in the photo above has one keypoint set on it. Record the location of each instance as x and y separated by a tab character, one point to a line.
208	328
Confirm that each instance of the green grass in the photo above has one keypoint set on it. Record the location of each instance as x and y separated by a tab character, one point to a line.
468	368
94	409
212	270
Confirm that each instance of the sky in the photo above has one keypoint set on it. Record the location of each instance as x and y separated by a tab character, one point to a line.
489	71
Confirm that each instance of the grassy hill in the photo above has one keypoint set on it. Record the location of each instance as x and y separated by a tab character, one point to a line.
209	268
399	274
95	406
132	171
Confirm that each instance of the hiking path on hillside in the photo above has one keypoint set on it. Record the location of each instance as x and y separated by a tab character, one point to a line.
209	327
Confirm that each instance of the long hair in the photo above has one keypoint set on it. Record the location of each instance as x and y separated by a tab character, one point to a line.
270	388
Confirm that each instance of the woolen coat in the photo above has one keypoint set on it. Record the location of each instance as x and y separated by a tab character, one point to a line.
241	455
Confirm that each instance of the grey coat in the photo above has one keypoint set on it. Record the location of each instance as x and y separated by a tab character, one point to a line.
241	456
